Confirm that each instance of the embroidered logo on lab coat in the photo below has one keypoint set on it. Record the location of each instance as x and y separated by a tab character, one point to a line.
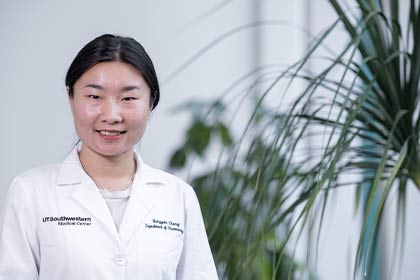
166	225
68	221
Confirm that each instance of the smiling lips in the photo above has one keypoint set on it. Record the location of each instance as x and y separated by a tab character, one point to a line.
110	134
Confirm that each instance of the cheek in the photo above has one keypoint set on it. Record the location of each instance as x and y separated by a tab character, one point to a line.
84	113
138	120
84	117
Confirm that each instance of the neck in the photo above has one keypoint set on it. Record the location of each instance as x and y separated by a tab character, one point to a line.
111	173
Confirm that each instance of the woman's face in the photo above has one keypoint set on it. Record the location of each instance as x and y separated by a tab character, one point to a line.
111	107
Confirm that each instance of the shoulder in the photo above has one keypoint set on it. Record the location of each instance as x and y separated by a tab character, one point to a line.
28	188
41	173
174	183
35	177
177	192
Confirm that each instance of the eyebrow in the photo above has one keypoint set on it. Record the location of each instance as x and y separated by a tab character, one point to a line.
93	86
126	88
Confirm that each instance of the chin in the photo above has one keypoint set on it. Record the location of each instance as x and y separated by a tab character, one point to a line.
111	151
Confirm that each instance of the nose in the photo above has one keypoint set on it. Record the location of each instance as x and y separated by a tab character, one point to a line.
111	112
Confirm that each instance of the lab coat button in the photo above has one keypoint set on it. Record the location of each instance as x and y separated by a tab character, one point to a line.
119	260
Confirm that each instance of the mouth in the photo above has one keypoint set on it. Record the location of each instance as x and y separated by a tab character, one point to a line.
110	132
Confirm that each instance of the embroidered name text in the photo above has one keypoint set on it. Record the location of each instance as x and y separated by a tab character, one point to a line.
68	221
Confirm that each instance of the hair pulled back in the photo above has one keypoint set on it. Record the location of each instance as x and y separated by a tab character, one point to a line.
107	48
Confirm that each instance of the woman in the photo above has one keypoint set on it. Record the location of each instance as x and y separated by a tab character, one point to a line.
103	213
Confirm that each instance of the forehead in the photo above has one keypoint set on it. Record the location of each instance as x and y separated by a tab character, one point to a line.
112	74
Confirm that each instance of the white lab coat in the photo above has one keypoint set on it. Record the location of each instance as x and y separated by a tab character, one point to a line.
56	225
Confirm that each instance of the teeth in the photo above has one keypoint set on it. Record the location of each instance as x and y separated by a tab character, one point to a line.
110	133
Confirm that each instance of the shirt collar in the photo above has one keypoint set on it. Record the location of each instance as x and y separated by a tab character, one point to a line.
71	171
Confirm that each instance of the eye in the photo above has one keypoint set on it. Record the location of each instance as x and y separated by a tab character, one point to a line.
129	98
92	96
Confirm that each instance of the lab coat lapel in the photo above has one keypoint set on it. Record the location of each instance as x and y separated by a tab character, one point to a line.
87	195
147	190
144	196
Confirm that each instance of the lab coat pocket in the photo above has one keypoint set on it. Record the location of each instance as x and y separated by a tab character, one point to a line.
172	245
162	241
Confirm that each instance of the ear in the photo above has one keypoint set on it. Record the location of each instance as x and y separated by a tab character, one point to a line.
152	100
71	99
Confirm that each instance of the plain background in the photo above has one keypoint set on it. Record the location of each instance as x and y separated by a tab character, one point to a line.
39	39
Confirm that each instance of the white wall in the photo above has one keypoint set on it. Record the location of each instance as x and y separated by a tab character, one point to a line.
40	38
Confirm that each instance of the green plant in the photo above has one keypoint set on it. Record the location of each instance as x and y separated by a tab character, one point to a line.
244	209
362	109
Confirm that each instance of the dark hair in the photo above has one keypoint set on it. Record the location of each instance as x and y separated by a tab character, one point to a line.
110	47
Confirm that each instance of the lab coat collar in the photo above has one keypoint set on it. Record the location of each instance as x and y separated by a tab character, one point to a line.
72	173
147	189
